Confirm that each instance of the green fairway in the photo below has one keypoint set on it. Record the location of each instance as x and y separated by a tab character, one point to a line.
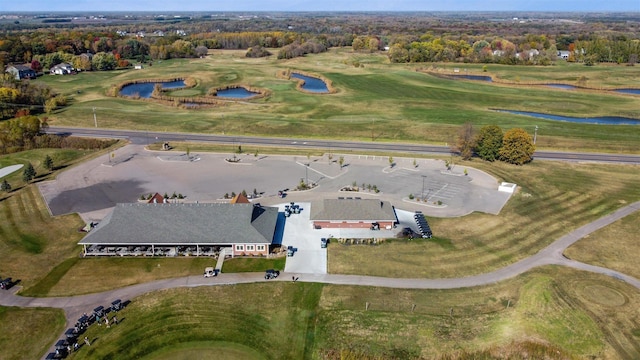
386	102
552	312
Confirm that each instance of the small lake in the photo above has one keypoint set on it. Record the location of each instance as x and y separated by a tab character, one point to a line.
473	77
628	91
605	120
144	90
312	84
561	86
236	93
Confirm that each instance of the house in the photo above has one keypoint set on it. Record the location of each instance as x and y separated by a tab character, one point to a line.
61	69
174	229
21	72
352	213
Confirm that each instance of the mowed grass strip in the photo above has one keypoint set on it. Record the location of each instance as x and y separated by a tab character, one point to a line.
26	333
553	199
270	319
550	307
406	105
615	246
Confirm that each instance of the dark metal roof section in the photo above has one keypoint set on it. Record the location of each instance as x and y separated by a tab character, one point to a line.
352	210
185	224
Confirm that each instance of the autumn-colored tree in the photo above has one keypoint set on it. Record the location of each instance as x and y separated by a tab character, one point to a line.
489	142
517	147
466	141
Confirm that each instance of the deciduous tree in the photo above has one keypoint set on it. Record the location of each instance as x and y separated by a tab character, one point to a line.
489	142
466	141
517	147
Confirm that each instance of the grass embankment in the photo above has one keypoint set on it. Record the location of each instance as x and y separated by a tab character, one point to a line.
26	333
391	102
552	312
28	234
615	246
554	198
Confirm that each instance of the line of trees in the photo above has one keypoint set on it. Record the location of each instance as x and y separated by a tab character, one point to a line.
515	146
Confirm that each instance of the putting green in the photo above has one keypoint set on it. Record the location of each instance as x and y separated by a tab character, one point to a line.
218	350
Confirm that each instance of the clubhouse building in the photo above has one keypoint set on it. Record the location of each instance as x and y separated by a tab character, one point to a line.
188	229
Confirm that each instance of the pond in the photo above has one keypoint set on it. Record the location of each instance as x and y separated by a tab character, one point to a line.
607	120
561	86
473	77
236	93
144	90
311	84
628	91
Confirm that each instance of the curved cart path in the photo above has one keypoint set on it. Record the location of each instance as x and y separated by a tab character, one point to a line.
75	306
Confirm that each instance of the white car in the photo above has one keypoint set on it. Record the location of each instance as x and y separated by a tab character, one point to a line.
210	272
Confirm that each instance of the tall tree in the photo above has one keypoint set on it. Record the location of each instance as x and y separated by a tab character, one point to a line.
6	187
466	141
48	163
517	147
29	173
489	142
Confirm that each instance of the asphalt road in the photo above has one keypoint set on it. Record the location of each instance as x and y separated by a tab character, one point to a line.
146	137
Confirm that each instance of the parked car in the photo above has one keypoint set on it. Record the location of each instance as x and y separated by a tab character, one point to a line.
210	272
6	284
323	243
271	274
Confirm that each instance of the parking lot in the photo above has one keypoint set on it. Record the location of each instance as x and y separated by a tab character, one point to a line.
94	187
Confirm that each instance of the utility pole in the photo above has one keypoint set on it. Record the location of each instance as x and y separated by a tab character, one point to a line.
95	120
535	135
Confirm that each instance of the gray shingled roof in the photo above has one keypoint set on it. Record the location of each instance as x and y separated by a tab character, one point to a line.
352	210
185	224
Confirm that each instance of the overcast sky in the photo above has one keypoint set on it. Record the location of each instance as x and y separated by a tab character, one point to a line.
322	5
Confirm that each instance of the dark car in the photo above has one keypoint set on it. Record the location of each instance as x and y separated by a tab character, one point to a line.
271	274
6	284
323	243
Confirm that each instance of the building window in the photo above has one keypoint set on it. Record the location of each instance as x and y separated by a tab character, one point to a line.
249	247
260	247
239	247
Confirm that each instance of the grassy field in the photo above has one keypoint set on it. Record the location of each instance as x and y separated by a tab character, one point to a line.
28	234
393	101
26	333
615	246
79	275
554	198
554	312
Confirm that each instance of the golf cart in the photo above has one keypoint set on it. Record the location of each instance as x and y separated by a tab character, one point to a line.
271	274
210	272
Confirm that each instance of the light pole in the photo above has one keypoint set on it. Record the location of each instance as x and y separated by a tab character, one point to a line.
422	193
306	173
535	135
95	120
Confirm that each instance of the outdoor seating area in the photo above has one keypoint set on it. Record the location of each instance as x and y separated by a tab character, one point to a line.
170	251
